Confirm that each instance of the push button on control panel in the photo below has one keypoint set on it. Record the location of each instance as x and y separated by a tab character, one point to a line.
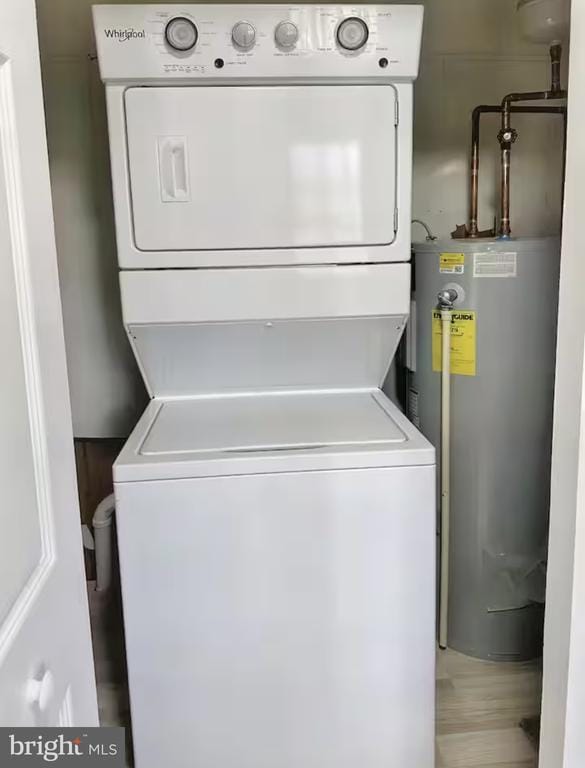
181	34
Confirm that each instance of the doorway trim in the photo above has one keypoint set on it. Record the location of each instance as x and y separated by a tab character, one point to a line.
563	735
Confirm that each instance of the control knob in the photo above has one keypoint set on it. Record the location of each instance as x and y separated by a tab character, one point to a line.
181	34
352	33
244	35
286	34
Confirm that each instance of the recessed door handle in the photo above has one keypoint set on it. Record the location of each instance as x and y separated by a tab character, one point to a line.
173	169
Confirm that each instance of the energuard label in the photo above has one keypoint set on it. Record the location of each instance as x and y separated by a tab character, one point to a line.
463	342
452	263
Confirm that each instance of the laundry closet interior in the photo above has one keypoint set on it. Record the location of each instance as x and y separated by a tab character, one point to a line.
309	264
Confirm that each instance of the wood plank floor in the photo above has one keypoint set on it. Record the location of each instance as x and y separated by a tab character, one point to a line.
480	705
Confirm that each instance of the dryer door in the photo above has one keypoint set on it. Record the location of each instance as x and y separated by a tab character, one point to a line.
261	167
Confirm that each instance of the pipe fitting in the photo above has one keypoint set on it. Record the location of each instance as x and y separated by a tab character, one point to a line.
430	237
102	533
507	136
446	298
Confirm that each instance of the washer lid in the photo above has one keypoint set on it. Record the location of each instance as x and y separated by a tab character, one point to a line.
270	423
267	433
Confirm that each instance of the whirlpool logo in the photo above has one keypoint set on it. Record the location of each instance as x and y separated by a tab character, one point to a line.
124	35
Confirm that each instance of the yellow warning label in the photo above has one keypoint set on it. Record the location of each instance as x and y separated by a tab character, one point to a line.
463	342
452	263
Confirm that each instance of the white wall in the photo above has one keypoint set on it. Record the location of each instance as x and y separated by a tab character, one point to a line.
472	54
106	391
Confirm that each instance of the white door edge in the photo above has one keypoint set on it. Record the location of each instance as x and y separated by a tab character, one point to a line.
562	733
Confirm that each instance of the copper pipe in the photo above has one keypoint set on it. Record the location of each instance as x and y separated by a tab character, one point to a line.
507	135
505	226
475	134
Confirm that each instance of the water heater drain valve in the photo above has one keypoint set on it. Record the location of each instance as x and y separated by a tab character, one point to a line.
446	298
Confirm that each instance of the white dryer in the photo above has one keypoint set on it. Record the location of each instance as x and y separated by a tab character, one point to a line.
275	512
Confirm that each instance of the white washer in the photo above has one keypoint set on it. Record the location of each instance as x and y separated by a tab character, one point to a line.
275	512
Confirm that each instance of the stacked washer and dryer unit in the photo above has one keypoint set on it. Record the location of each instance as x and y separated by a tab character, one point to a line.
275	511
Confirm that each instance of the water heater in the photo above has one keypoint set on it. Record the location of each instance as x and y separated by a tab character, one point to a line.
503	340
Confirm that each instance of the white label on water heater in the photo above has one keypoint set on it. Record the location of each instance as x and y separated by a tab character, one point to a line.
495	264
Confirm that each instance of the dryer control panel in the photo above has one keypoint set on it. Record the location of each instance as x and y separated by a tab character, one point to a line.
145	43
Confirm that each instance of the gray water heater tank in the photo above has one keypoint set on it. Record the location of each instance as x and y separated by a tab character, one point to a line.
503	347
